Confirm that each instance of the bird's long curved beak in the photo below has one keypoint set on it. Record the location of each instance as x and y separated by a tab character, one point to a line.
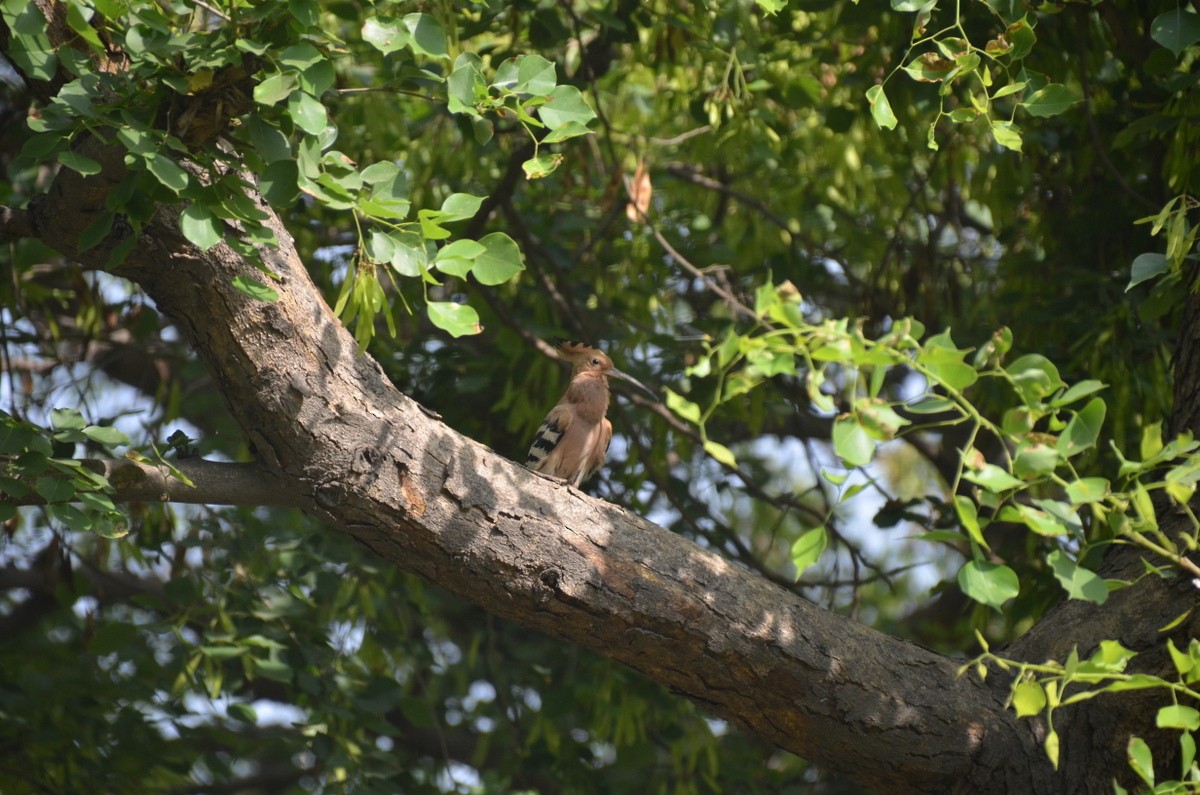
627	377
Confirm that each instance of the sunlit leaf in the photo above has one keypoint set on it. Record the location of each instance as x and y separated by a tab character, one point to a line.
458	320
1078	582
200	226
988	583
808	548
852	442
1141	760
1028	699
881	109
255	289
1051	100
499	261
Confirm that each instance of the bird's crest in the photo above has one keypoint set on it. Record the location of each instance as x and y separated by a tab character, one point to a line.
584	357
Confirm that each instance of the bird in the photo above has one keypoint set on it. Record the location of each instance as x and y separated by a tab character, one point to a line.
572	441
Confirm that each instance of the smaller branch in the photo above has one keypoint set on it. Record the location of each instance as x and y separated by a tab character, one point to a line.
731	300
15	224
694	175
683	136
212	483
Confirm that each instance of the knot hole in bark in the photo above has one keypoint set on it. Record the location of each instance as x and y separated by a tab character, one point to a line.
550	578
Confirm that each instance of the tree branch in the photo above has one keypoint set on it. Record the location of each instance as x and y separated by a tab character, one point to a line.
15	224
212	483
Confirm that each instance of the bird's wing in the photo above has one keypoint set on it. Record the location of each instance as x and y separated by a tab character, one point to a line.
549	434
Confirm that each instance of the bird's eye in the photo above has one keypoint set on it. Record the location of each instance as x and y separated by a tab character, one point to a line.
596	362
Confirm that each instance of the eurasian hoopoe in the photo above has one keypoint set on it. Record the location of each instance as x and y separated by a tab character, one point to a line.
573	439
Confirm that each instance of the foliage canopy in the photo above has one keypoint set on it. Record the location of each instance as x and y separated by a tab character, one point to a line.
909	281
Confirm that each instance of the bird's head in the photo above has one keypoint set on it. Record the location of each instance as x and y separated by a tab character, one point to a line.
586	359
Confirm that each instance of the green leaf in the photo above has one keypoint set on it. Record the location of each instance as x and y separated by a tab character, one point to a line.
275	670
1087	490
168	172
200	226
991	584
1078	582
993	479
460	206
571	129
453	266
1083	429
499	261
385	35
54	489
1035	377
410	257
67	420
301	56
969	516
1007	135
77	162
535	75
30	48
1029	699
1187	751
1041	522
465	85
881	109
1077	392
1034	459
931	405
1052	747
1146	267
459	320
1011	88
1140	759
279	183
720	453
945	362
683	407
464	249
565	104
255	289
808	548
1021	34
1176	29
1053	99
105	435
426	35
308	113
275	88
1184	663
852	442
541	165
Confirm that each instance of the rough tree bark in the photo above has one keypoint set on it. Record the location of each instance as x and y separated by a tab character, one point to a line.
341	442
